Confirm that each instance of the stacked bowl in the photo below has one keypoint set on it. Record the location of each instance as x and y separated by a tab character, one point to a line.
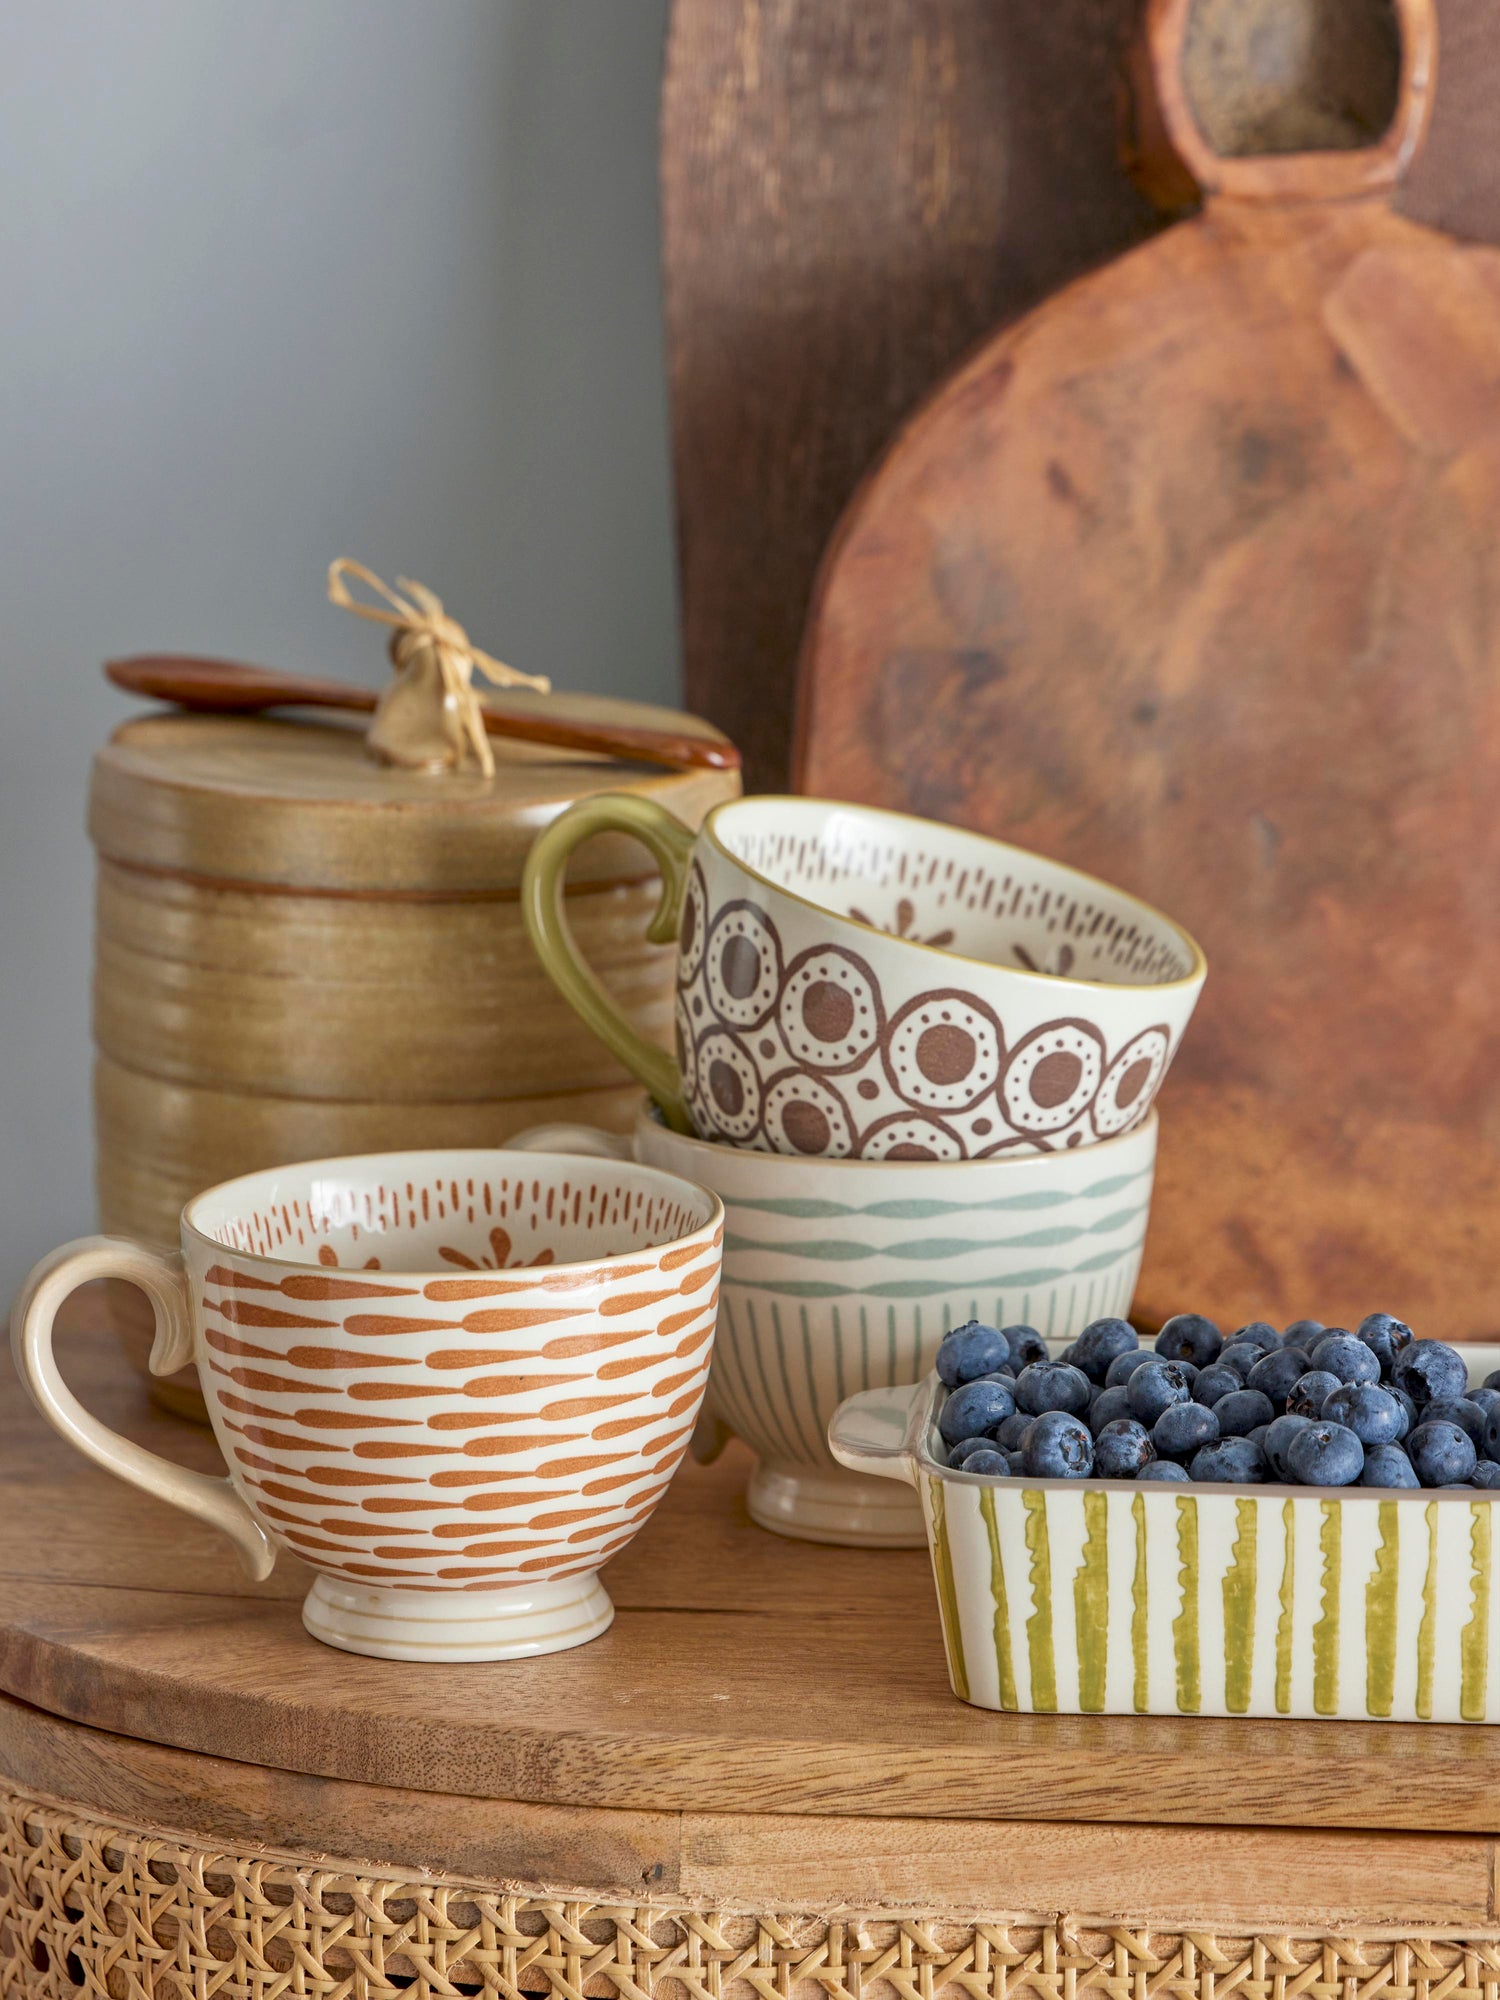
917	1066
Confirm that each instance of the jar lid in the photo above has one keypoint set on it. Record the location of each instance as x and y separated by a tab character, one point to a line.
304	806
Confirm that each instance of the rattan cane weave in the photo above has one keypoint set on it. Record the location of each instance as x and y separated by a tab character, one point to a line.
90	1908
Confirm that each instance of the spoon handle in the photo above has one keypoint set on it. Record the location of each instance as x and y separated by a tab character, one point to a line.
224	687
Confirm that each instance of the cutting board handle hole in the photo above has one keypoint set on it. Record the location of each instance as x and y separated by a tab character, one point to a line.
1292	76
1293	100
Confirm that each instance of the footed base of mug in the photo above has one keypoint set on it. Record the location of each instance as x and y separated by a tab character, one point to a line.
457	1625
835	1506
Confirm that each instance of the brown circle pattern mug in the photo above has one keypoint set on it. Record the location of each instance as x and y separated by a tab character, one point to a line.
860	984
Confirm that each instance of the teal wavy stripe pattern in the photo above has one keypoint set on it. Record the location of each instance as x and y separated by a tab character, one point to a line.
935	1249
923	1288
809	1210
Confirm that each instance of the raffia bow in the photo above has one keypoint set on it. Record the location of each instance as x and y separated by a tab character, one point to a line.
430	717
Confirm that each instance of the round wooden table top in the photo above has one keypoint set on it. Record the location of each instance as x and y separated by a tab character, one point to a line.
743	1674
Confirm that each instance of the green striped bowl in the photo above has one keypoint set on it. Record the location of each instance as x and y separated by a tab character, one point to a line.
1101	1597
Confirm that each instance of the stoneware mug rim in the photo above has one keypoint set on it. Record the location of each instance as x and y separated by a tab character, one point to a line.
684	1188
1197	963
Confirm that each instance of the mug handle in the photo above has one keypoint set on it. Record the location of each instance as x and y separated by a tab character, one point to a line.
542	905
587	1139
163	1281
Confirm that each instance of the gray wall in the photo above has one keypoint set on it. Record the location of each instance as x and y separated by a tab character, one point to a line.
285	280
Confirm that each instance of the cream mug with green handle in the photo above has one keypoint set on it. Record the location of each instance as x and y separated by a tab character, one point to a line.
860	984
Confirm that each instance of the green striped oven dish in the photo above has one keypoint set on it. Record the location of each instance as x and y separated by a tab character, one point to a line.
1100	1597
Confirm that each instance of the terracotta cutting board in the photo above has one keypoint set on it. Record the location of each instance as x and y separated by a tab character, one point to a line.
1192	578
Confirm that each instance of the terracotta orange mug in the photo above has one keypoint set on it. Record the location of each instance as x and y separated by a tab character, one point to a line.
454	1383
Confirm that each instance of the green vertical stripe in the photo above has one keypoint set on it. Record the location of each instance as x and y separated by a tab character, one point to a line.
942	1563
1427	1630
1039	1624
1239	1609
1185	1624
1091	1604
1380	1614
1474	1648
1004	1666
1284	1622
1326	1631
807	1452
1139	1648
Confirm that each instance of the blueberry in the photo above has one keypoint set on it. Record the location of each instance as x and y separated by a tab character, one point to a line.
1279	1435
1108	1406
970	1351
1162	1468
1259	1333
1325	1454
1388	1465
1303	1333
1069	1354
1431	1372
1053	1385
1310	1392
1242	1412
1231	1461
1124	1366
1340	1353
976	1410
1155	1388
1241	1356
964	1450
1275	1375
1372	1413
1407	1406
1011	1432
1189	1337
1492	1380
1486	1474
1026	1345
1441	1454
991	1464
1458	1410
1103	1341
1182	1428
1123	1448
1216	1381
1058	1447
1259	1435
1487	1399
1385	1336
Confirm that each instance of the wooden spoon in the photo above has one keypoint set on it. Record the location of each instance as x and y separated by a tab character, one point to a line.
225	688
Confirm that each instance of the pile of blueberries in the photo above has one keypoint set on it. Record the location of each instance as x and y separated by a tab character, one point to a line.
1313	1406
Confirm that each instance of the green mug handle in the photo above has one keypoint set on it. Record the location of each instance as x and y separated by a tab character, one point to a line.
542	906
